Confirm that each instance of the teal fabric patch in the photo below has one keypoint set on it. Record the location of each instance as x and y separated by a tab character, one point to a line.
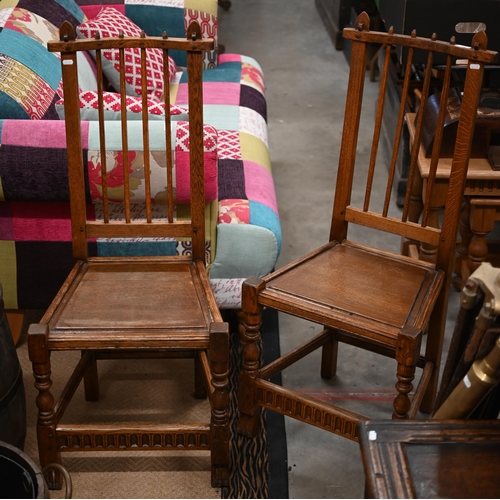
244	250
72	8
113	131
155	19
222	116
263	216
136	248
10	108
226	72
33	55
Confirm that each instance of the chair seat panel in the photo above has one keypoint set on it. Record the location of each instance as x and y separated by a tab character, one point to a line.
119	302
333	286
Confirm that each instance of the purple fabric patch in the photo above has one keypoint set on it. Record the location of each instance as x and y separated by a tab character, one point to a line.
253	99
34	174
50	10
231	180
51	113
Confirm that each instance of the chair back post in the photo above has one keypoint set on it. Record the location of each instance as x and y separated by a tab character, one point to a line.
151	225
350	132
76	176
461	155
195	64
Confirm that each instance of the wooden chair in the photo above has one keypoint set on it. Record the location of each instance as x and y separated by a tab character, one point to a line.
370	298
133	307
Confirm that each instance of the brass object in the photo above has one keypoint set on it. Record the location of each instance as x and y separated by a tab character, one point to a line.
484	374
480	379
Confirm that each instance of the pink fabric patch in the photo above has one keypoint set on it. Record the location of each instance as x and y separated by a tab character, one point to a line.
213	93
56	225
182	182
259	185
29	133
223	58
182	148
91	11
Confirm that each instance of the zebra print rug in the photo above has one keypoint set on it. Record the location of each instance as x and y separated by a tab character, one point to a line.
258	467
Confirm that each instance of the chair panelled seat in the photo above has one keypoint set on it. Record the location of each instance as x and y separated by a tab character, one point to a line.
364	295
122	307
378	303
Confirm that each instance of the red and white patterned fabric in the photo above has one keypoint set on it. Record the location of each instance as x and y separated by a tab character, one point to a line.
109	23
112	104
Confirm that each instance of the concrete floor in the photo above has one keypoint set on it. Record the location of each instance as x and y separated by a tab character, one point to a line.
306	81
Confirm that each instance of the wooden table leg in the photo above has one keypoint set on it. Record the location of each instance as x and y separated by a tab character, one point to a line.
482	219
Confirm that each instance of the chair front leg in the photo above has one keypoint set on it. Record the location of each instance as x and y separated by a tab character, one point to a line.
407	354
47	419
250	323
219	425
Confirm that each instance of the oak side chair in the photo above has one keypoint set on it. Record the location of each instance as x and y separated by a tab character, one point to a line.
133	307
363	296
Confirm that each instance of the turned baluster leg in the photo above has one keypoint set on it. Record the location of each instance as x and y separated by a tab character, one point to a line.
407	354
249	412
219	428
482	222
47	419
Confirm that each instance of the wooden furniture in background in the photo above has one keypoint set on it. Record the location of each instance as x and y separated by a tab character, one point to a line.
133	307
482	200
431	459
370	298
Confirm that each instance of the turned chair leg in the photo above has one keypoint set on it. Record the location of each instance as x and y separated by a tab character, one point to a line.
47	419
407	354
251	320
219	366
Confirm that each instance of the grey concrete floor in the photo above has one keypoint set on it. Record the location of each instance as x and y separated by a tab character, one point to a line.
306	80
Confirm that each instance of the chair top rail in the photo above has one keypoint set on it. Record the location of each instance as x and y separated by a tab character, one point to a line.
476	53
67	42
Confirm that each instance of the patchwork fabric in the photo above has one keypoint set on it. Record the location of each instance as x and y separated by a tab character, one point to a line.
248	226
234	103
54	11
112	107
110	23
174	17
30	76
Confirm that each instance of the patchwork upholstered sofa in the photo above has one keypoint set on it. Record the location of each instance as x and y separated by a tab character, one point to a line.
243	228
